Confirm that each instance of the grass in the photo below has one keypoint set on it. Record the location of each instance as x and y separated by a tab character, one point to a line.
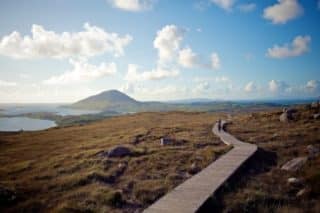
62	169
263	187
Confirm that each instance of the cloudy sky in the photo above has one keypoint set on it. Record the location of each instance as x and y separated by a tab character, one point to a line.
62	51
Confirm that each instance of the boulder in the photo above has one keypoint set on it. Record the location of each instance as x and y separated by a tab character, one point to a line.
301	192
285	117
165	141
294	164
294	181
312	151
194	169
119	151
316	116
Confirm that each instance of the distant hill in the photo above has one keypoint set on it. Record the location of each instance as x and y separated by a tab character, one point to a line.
118	102
114	100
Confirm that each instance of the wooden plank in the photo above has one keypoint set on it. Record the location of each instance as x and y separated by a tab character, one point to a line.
191	194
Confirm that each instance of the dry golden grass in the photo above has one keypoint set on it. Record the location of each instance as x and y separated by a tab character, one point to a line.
60	169
268	190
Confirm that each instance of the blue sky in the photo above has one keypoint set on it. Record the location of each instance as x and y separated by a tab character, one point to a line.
62	51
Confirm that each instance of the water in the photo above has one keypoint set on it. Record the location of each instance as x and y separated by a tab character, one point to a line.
30	124
16	109
26	124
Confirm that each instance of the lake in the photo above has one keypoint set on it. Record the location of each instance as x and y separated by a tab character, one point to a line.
23	123
29	124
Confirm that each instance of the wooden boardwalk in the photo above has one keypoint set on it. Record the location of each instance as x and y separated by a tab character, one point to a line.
191	194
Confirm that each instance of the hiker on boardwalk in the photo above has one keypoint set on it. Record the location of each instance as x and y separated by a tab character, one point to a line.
219	125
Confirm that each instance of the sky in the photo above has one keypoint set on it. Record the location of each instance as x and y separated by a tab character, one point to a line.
57	51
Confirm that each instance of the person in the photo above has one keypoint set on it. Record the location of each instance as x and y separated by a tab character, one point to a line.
219	125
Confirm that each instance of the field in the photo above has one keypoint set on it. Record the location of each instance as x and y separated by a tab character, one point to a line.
65	169
263	186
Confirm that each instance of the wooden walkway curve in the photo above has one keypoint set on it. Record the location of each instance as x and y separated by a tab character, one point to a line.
191	194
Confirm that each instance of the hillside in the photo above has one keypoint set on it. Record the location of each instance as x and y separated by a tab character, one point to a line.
111	99
114	100
67	170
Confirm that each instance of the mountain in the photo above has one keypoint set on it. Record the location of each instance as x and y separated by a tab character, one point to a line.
107	100
118	102
114	100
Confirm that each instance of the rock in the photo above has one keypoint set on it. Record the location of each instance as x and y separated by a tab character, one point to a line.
119	151
285	117
275	135
312	151
165	141
122	166
194	169
7	196
301	192
316	116
294	181
294	164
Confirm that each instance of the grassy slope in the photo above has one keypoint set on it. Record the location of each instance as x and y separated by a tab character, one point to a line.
268	190
59	169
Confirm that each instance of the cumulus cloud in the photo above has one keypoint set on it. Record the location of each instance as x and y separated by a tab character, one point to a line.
221	79
7	83
283	11
247	7
215	61
250	87
132	5
82	71
278	86
187	58
313	86
299	45
201	87
224	4
133	74
49	44
167	42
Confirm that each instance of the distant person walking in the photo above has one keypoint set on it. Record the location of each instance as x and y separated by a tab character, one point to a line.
219	125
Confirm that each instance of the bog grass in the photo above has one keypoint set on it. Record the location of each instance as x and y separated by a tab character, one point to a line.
63	170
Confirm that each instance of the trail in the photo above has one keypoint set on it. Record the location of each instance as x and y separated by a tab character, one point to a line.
191	194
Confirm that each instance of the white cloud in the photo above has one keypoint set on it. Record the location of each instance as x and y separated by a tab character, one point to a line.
132	5
49	44
133	74
82	71
167	42
224	4
187	58
283	11
222	79
7	84
215	61
250	87
278	86
313	86
247	7
201	87
299	45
